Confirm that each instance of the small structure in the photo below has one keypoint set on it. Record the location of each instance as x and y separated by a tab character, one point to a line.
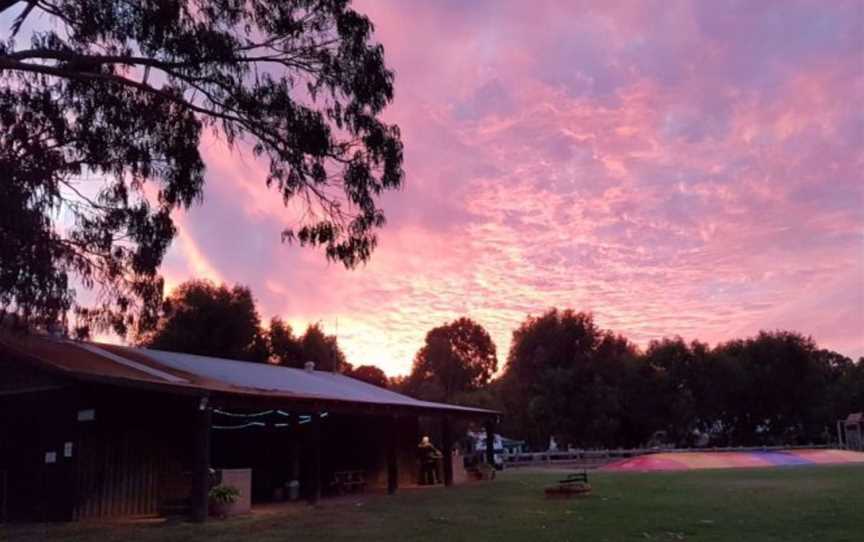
850	432
574	485
93	430
502	446
241	480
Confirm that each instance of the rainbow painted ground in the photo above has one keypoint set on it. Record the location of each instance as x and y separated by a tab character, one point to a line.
676	461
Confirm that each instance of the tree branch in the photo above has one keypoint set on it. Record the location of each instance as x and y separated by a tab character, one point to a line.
129	60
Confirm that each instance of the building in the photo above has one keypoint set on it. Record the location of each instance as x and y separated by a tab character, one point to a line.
93	430
850	432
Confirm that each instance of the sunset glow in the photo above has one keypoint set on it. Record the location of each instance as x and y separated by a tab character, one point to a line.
677	168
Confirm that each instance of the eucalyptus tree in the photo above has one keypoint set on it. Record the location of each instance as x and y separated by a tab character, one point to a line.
102	109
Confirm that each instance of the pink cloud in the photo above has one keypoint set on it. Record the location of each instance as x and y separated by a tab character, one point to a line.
678	168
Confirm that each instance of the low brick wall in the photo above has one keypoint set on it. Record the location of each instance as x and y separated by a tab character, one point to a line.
241	479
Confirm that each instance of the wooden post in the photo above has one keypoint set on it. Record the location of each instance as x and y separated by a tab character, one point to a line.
315	458
74	438
840	443
490	442
201	460
447	450
392	456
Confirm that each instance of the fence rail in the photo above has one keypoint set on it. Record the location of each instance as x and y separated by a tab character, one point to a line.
601	457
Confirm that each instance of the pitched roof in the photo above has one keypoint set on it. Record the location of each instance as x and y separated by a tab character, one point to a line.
187	373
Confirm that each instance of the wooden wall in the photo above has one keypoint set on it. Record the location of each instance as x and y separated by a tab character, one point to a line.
128	460
134	457
31	426
118	475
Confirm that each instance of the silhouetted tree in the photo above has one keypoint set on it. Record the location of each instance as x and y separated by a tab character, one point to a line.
539	377
776	388
669	392
201	318
323	350
589	387
457	357
314	345
119	92
371	374
285	348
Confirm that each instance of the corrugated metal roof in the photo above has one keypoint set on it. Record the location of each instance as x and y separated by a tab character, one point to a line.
186	371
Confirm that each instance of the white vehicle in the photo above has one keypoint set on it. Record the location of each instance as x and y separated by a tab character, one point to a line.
478	441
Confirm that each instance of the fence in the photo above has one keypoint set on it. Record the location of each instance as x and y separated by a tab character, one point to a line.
597	458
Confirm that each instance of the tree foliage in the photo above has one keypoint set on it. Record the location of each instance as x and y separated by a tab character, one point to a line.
220	321
457	357
101	113
370	374
208	320
314	345
588	387
285	348
563	377
323	350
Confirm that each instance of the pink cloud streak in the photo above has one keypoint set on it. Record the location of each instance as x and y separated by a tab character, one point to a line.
687	168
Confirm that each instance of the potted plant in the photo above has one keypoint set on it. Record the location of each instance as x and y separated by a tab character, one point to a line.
221	498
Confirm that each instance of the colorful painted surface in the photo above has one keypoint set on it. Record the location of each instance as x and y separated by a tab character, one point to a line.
672	461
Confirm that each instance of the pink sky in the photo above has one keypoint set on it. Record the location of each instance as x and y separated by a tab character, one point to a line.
677	168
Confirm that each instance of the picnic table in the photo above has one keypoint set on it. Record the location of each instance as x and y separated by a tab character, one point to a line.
349	481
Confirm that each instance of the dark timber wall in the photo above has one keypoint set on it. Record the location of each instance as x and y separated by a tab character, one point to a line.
32	424
58	464
135	456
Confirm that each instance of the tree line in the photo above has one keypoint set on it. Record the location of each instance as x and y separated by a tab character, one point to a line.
564	377
202	318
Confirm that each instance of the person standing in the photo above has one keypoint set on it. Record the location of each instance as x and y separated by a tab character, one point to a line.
429	456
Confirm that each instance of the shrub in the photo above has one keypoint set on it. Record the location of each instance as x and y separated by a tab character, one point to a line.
224	495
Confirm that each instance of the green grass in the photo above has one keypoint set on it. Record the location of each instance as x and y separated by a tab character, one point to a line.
814	503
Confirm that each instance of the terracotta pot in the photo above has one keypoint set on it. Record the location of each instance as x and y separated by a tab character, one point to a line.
220	509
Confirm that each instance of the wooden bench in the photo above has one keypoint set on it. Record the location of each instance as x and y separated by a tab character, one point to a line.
575	478
574	485
349	481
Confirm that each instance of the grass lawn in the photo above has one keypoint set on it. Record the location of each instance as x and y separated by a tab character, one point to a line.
802	503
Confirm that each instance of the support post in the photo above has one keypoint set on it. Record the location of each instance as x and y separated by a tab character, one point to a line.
315	458
490	442
201	460
840	428
75	438
392	456
447	450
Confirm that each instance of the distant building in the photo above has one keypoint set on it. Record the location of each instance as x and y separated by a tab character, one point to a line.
850	432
